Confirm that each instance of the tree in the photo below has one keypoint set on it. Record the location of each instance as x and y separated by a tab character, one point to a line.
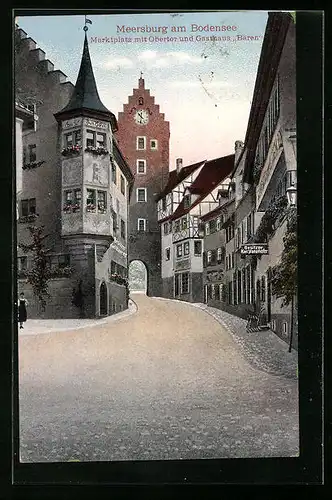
40	273
284	275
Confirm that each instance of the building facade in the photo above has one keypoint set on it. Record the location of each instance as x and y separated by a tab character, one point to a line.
143	137
191	192
79	193
257	207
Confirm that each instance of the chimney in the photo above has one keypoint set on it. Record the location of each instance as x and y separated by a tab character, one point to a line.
179	164
238	149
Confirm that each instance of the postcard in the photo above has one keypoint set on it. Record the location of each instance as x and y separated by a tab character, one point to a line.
156	197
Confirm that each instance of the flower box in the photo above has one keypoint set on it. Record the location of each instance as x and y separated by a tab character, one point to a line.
96	151
71	150
90	208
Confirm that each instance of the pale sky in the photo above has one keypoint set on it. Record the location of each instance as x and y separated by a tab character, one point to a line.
204	87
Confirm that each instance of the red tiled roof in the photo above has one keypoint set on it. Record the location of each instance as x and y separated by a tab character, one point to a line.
175	178
212	173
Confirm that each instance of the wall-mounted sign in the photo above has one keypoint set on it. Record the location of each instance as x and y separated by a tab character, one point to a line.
254	249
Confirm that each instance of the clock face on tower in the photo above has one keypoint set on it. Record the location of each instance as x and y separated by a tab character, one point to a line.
141	117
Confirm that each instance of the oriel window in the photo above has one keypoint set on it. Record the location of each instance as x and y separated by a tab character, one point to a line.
77	197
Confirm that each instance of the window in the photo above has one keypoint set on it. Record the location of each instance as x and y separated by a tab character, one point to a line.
73	138
218	224
77	199
184	223
166	228
285	328
207	228
141	166
123	229
90	138
179	250
113	173
177	226
185	283
154	144
68	197
213	226
91	200
219	254
32	153
22	263
63	260
141	224
101	201
101	140
197	248
123	186
141	194
232	260
216	292
141	143
221	293
167	253
186	248
249	225
186	201
209	256
28	207
263	289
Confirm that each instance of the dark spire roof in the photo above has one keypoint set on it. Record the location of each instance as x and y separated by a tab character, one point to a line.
85	98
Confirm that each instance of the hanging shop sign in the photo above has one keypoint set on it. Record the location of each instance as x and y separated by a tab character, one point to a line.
255	249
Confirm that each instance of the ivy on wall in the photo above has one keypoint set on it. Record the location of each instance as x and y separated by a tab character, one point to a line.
284	275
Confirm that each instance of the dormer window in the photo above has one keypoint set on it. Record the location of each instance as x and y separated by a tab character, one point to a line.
186	201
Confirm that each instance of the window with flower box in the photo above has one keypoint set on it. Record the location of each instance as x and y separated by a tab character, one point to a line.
90	138
101	201
186	248
91	200
73	139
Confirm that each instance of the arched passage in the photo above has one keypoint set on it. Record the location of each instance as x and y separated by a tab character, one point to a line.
103	299
138	276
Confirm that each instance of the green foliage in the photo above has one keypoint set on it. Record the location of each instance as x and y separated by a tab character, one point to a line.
284	275
272	214
39	274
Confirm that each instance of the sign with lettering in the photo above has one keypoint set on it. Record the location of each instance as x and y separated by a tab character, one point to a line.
254	249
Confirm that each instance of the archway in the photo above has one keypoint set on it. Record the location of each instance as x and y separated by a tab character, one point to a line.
103	299
138	277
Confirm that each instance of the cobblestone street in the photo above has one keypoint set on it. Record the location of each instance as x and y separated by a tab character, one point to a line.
169	381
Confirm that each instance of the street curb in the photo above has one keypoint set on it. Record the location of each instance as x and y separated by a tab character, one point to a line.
251	359
110	319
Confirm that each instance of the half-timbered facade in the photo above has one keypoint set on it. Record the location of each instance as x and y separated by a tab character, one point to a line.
191	193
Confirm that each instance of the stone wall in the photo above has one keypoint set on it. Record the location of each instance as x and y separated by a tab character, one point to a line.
168	288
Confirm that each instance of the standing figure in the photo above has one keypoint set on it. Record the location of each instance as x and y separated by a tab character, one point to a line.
22	310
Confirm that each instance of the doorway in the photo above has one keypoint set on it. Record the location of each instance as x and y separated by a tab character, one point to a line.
103	299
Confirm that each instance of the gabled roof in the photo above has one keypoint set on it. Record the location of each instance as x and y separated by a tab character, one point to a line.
85	98
175	178
212	173
216	211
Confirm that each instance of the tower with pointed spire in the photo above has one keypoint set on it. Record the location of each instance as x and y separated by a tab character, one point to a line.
143	137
